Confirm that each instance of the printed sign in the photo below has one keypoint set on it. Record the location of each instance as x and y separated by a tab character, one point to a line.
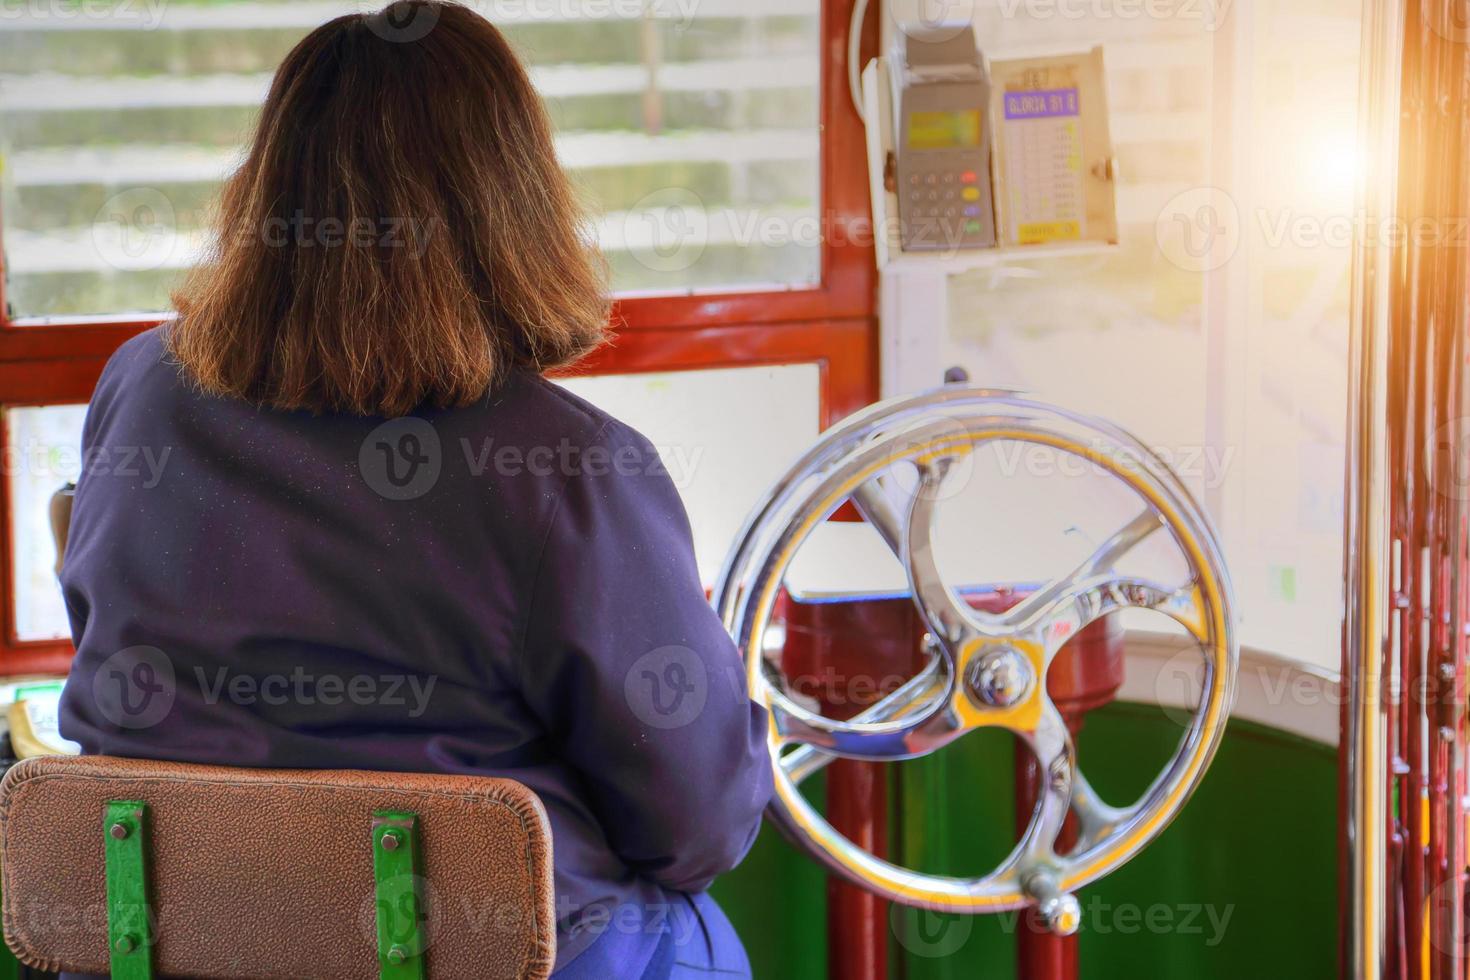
1042	130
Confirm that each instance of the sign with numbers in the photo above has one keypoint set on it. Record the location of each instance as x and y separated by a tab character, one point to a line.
1054	155
1044	168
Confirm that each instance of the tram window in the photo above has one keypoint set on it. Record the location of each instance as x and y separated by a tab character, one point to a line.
1221	321
42	453
691	129
722	461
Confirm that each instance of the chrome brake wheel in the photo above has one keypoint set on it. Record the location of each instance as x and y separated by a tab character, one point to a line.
985	669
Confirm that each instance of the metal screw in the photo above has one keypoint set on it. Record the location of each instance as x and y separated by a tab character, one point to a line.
118	830
397	954
999	679
391	840
126	944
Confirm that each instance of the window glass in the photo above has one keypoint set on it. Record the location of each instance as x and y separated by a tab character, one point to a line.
691	130
725	436
1285	350
43	453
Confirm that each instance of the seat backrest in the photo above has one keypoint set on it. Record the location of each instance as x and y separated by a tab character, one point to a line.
144	868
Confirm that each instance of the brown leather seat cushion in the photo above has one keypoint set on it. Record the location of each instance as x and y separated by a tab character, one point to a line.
269	873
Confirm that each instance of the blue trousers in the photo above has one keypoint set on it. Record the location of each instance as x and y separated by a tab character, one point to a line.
695	942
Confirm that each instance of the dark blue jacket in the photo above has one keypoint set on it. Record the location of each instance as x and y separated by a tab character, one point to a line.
507	589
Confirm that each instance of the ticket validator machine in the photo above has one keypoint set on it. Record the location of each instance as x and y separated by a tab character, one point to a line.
941	156
976	159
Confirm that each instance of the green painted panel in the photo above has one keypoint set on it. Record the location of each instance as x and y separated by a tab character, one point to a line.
956	816
1245	876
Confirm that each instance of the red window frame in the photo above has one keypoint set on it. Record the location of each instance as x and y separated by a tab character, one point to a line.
831	324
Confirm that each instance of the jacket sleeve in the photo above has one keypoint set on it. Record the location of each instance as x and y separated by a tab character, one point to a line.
632	673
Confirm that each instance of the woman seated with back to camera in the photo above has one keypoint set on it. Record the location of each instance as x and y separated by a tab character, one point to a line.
399	260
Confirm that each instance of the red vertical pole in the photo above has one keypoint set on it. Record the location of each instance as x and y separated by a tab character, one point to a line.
848	655
857	920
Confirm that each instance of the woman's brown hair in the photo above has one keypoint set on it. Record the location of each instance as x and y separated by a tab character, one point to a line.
400	232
